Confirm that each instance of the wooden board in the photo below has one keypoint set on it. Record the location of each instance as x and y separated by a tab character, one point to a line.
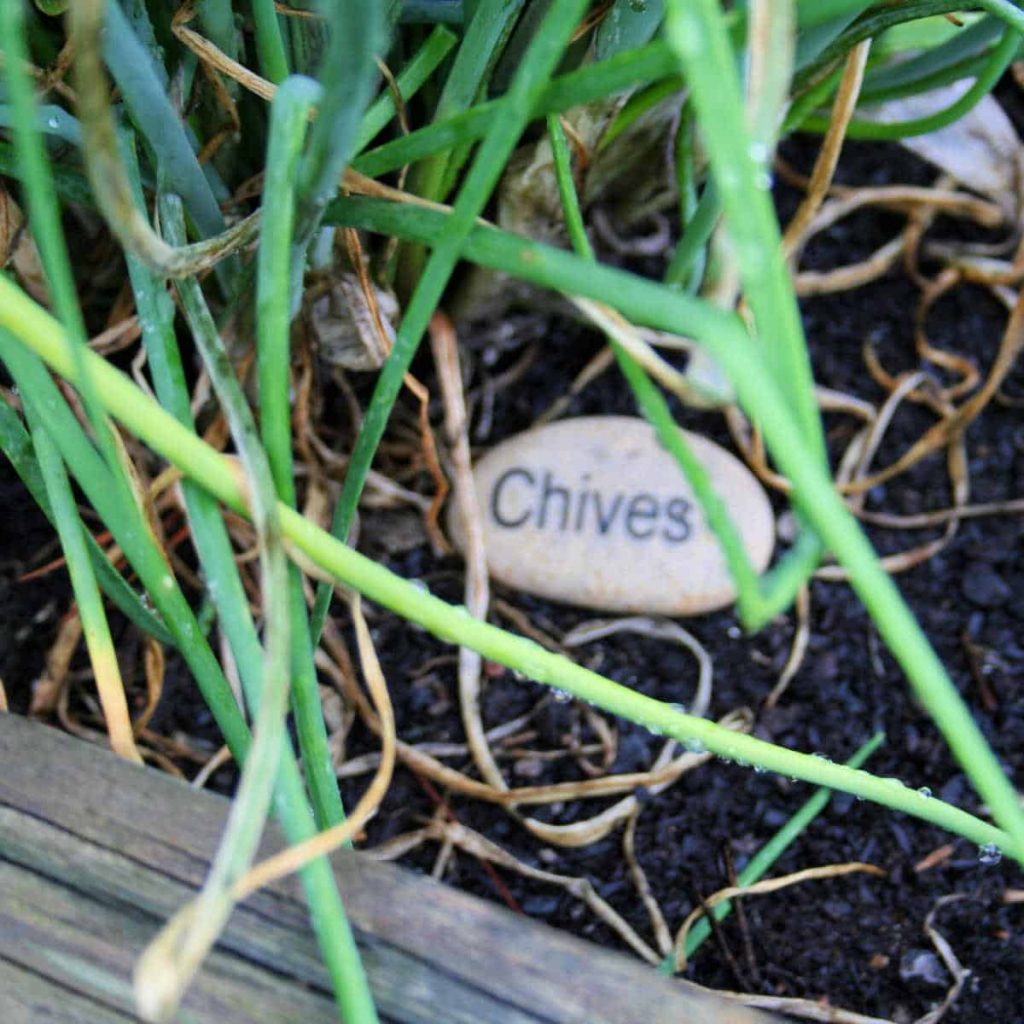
95	853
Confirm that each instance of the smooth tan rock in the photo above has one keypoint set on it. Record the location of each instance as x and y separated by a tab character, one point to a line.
594	512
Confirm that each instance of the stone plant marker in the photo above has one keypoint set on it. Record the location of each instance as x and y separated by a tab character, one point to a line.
594	512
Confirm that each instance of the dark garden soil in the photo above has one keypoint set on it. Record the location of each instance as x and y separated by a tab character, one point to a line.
857	940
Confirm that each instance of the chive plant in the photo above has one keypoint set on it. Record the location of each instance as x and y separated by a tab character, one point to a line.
478	76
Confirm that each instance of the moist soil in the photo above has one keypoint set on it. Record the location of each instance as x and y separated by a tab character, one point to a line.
857	941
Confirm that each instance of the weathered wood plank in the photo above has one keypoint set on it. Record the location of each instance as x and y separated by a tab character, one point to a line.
282	948
135	843
27	998
89	946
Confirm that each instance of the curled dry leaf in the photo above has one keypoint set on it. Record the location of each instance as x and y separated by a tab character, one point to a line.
343	325
18	249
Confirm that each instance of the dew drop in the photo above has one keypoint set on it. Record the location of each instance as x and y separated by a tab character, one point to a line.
681	708
989	853
758	152
694	746
690	34
760	769
561	696
925	792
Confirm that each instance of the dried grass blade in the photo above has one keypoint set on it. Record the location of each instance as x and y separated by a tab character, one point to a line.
473	842
477	590
662	935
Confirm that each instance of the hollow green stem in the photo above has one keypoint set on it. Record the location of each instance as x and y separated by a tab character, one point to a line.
409	80
95	628
358	36
690	250
270	47
1007	11
274	291
249	809
939	65
874	22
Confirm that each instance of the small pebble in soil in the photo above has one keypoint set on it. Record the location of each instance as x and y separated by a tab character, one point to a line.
633	754
922	965
984	587
595	512
540	906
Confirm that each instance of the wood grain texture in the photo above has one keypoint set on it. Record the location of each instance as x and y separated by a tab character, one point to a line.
95	853
29	998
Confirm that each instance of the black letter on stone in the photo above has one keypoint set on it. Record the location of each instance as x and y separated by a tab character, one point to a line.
496	515
581	503
641	507
677	510
606	516
549	492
